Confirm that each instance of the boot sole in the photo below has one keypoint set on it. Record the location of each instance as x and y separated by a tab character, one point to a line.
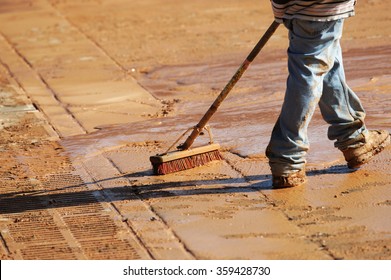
364	158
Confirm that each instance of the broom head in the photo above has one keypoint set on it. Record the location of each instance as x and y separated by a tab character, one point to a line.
181	160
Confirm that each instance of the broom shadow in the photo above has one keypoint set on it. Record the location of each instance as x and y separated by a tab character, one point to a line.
83	195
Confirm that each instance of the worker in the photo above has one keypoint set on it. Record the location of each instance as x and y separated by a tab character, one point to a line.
316	77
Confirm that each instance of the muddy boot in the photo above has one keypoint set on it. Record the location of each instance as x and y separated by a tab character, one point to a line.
376	141
291	180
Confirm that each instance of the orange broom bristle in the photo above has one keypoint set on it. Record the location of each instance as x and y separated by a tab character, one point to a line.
189	162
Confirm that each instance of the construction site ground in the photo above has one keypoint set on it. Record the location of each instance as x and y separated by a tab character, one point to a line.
90	89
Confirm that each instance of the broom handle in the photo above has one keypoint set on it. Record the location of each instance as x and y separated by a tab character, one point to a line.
213	108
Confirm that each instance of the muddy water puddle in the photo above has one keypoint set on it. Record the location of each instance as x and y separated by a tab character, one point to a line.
244	121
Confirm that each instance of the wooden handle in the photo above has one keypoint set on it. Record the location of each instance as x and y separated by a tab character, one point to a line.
235	78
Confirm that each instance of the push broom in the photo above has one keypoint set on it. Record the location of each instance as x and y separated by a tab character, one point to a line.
186	157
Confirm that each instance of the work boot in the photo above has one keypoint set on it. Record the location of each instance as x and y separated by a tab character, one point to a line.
290	180
375	142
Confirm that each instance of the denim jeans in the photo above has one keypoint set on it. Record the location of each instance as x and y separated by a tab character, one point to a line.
316	77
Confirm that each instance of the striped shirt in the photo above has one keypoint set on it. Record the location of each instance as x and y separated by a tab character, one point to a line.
314	10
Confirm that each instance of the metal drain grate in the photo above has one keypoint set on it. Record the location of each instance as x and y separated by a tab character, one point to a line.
60	251
19	204
111	249
91	226
75	203
12	186
36	228
64	181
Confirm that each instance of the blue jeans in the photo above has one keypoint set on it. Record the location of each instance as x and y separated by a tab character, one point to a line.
316	77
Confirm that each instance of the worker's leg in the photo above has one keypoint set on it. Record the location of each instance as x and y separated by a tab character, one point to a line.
311	55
